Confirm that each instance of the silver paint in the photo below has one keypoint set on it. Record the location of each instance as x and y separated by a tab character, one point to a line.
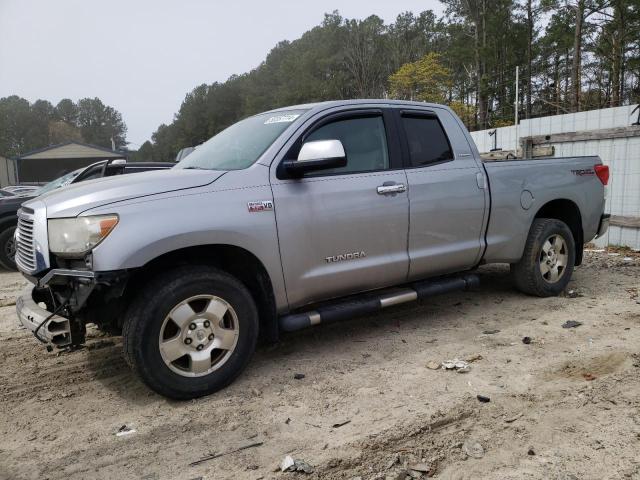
437	225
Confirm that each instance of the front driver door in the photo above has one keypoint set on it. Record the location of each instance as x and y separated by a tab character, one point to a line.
339	231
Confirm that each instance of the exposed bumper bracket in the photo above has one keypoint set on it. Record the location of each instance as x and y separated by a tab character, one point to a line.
63	272
56	331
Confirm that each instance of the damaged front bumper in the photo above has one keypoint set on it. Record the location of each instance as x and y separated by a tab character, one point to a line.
49	309
56	330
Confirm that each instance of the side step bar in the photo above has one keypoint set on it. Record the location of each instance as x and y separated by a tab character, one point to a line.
372	302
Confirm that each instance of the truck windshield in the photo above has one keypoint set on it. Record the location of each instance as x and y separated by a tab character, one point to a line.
241	144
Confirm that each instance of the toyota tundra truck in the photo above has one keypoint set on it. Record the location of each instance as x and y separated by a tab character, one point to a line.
291	218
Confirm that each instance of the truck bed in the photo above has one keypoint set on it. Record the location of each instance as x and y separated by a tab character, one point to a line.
520	188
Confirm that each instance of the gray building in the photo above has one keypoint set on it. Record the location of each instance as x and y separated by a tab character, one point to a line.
43	165
7	172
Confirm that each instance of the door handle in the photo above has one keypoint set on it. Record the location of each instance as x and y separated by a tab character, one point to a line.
393	188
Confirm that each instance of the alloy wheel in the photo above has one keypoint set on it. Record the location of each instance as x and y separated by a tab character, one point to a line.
199	335
554	257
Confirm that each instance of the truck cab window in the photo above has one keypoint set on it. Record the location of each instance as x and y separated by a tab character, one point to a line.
426	140
364	141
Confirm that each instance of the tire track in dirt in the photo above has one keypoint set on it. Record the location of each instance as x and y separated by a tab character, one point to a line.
438	441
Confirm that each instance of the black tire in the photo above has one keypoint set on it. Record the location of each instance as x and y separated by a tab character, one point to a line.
149	309
527	273
7	248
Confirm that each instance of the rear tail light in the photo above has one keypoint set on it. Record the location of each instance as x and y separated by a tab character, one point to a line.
602	171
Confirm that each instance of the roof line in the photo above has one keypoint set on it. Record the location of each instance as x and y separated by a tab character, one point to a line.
72	142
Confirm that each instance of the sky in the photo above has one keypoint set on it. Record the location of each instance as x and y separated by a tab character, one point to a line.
143	56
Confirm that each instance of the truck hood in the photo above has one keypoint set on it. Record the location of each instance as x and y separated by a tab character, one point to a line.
74	199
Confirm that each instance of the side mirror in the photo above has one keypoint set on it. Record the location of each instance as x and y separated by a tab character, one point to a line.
317	155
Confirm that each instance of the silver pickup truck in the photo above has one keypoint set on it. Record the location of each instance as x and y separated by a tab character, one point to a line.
291	218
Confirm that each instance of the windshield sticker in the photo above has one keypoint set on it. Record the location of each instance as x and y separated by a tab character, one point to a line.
281	119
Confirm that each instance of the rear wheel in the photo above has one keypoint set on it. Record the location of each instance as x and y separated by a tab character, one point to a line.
8	248
548	259
191	332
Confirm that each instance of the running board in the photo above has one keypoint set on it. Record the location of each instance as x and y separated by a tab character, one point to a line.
372	302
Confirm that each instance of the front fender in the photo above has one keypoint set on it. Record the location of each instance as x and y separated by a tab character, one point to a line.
149	229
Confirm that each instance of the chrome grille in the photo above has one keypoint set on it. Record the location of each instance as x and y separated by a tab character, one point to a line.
25	247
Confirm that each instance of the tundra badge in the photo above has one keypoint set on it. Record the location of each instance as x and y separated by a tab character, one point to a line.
345	256
583	172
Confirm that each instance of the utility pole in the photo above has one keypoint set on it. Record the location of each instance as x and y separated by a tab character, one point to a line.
516	107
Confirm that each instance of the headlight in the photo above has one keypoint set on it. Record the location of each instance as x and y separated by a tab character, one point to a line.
73	237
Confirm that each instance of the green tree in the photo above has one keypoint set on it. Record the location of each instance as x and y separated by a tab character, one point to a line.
42	112
15	125
165	144
479	43
464	111
554	66
473	14
67	111
99	123
25	127
363	51
144	154
61	132
411	36
426	80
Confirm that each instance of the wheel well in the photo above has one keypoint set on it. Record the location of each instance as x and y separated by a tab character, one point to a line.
569	213
236	261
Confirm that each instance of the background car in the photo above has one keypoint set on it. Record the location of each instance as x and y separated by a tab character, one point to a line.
10	204
19	190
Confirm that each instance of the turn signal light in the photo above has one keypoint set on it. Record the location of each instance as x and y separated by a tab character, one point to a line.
107	225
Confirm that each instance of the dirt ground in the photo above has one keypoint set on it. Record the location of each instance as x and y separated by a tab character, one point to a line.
565	406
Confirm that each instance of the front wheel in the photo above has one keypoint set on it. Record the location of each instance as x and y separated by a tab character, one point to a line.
548	259
191	332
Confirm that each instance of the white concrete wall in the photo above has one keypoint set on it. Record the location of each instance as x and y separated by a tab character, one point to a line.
621	154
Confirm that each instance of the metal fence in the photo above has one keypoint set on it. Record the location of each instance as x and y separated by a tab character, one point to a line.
608	133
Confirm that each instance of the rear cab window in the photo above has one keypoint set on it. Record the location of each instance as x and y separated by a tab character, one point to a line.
426	141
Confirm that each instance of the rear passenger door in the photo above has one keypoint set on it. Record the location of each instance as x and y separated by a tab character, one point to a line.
446	193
